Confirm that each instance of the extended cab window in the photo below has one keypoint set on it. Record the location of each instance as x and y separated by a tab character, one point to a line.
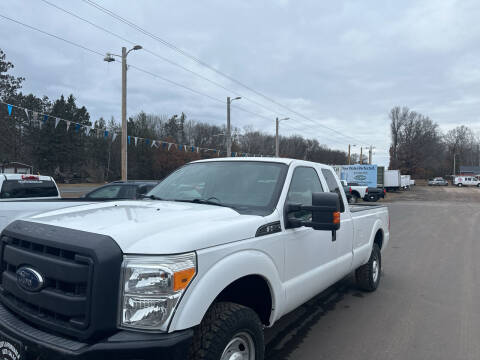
304	183
333	186
20	189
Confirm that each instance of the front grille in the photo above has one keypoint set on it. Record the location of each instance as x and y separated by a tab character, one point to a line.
63	300
81	278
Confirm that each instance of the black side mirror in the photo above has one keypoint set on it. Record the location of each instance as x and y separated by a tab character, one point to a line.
325	212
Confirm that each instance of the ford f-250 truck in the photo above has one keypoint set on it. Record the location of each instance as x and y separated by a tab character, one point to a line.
220	250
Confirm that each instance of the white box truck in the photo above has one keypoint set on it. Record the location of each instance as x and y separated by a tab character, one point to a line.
392	180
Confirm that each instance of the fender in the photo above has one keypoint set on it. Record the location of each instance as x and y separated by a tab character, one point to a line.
362	254
210	281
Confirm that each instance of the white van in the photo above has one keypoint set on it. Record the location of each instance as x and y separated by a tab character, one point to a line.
27	187
468	180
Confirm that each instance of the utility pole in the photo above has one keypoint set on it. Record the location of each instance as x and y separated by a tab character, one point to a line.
361	154
277	141
370	153
124	113
349	153
229	133
110	58
454	165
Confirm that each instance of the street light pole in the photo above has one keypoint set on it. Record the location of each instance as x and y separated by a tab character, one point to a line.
277	141
229	133
124	114
109	58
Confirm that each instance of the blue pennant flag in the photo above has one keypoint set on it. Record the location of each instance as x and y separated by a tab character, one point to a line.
193	148
105	134
9	109
180	147
45	117
164	145
77	127
128	139
147	141
233	154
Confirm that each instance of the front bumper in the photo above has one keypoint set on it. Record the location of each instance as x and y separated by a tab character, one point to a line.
122	345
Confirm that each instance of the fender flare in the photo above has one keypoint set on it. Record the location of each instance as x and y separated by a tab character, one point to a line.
207	286
376	227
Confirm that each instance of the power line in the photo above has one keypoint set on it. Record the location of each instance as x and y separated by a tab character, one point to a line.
52	35
201	62
132	66
158	56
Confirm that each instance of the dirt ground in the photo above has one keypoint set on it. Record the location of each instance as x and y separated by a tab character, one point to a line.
435	193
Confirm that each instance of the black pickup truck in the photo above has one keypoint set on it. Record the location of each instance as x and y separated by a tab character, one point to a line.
374	194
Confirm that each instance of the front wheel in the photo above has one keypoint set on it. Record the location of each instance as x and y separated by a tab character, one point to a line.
368	275
227	332
460	185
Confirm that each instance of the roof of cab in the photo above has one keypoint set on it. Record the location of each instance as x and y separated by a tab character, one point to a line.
286	161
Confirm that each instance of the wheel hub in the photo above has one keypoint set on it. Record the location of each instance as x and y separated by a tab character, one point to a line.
241	347
375	270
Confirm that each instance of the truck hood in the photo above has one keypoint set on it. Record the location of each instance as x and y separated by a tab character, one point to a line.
153	227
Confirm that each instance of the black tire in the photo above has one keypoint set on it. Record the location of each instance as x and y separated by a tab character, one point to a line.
221	324
459	184
365	273
478	185
354	199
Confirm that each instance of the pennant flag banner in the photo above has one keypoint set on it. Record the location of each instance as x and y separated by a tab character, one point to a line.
98	132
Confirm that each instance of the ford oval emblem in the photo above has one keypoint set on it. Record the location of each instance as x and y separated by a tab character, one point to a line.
29	279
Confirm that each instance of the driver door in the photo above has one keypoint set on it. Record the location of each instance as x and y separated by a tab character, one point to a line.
309	253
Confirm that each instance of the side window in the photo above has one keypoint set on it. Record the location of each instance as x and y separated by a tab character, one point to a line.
333	186
304	183
107	192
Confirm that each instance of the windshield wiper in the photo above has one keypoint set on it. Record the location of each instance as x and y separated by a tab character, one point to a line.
151	197
205	201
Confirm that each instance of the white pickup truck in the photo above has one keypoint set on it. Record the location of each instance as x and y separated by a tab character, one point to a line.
222	249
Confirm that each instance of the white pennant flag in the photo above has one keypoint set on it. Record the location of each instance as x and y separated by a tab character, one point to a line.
114	136
136	140
57	120
169	146
153	143
35	116
185	148
198	149
88	129
26	112
68	125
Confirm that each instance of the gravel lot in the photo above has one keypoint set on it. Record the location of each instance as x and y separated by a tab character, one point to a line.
428	304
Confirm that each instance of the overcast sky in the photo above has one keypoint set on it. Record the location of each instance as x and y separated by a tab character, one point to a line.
343	64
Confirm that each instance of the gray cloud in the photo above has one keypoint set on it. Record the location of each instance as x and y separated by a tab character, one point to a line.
342	63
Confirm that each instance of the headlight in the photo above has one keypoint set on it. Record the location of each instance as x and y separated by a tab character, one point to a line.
152	287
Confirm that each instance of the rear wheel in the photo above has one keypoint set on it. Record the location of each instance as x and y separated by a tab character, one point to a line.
228	332
368	275
459	184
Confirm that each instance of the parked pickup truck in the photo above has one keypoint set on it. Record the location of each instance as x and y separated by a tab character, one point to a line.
357	191
221	249
25	186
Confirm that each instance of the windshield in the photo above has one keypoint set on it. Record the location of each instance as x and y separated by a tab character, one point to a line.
247	186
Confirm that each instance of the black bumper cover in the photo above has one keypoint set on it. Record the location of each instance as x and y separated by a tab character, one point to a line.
122	345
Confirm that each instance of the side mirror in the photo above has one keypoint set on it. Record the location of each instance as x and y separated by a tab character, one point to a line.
325	212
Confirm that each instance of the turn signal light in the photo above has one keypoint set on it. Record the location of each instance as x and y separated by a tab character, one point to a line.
182	278
336	217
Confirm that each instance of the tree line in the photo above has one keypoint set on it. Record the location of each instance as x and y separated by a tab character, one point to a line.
421	149
73	156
